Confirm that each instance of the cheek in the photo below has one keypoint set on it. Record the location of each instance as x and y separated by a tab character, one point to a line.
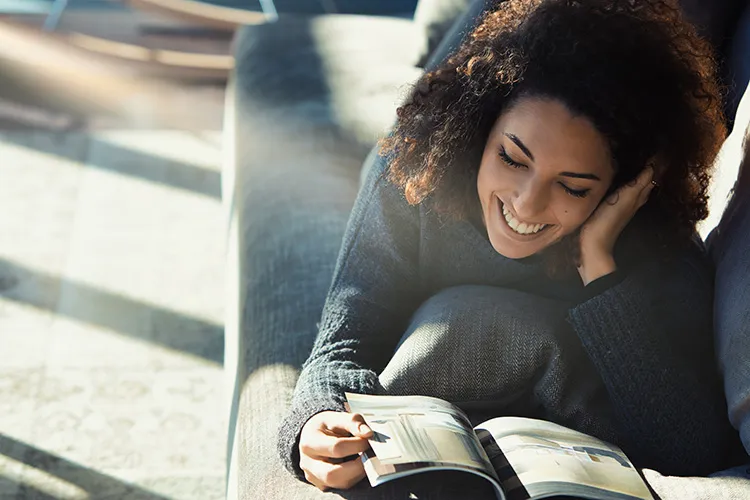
491	178
573	213
485	184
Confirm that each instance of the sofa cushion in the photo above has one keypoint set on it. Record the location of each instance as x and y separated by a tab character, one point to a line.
732	484
309	98
729	245
436	17
726	169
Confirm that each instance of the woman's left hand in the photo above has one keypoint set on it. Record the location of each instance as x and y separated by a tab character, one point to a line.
600	232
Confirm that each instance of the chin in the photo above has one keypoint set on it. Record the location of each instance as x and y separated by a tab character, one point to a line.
514	252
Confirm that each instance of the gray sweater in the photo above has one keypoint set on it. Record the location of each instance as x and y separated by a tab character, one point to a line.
648	333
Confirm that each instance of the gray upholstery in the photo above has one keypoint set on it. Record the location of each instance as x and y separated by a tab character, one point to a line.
730	251
733	484
436	18
307	100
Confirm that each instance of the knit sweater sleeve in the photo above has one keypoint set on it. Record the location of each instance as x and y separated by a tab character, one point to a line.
372	295
650	338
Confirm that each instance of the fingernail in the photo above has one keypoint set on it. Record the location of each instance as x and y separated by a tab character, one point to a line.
364	429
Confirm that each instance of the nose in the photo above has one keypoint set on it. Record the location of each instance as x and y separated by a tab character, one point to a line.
530	200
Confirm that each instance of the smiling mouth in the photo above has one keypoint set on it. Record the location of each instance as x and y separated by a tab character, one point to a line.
518	227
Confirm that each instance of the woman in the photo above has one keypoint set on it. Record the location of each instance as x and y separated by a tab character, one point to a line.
534	210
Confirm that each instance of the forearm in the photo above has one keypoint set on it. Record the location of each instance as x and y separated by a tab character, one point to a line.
374	289
347	356
654	354
311	398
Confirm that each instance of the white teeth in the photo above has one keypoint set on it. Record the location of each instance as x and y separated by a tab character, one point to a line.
521	227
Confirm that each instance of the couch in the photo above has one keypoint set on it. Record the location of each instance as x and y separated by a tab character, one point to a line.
305	105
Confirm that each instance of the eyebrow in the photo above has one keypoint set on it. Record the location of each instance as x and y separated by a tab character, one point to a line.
576	175
521	145
518	142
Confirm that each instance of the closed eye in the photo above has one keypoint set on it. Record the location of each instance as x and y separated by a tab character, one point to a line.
507	159
578	193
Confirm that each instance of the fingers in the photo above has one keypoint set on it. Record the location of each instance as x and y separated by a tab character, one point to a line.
329	446
340	476
325	446
613	198
335	435
312	479
646	184
637	190
644	194
338	423
347	423
645	177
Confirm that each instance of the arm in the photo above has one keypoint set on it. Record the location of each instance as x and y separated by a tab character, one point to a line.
372	295
649	337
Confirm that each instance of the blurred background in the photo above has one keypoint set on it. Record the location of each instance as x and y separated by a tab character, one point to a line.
112	242
113	237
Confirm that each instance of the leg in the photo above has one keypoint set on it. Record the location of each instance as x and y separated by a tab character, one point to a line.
500	352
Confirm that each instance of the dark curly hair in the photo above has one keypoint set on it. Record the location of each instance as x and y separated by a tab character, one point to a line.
636	68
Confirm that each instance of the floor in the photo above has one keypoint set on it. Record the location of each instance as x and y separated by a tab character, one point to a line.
111	312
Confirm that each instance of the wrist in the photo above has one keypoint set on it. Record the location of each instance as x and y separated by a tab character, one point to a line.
595	264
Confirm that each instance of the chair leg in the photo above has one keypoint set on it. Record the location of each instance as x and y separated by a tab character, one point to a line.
269	9
55	14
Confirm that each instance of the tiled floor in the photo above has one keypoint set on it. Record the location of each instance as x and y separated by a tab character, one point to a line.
111	297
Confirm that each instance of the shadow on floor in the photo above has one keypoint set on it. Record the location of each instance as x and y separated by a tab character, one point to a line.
96	484
156	169
124	315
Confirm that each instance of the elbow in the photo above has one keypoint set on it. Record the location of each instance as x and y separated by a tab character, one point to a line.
698	447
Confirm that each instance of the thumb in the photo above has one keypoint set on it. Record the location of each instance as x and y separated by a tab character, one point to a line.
354	423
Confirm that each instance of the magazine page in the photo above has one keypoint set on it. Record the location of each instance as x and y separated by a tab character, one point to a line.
416	434
538	459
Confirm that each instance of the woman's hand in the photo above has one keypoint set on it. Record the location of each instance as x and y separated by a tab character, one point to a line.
600	232
329	446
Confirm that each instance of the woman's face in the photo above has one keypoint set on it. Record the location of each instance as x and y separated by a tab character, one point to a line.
543	173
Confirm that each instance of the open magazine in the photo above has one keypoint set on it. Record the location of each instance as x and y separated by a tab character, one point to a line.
523	458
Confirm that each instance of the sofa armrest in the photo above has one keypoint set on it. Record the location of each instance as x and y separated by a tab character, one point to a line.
307	101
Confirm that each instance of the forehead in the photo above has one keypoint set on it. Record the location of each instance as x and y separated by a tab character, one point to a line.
556	137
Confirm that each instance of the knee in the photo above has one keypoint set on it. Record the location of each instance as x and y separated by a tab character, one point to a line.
475	342
474	315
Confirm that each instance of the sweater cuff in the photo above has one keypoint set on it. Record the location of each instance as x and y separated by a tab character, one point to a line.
620	311
601	285
291	428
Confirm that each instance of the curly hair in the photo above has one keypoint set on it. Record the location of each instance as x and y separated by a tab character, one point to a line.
636	68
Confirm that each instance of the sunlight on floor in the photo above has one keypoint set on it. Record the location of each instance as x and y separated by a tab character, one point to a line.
111	312
30	478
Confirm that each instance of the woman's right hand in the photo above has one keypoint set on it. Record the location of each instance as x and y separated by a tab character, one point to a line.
329	448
